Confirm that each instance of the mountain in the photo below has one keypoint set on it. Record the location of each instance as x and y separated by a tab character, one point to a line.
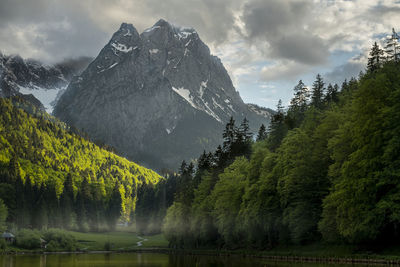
158	97
44	153
36	82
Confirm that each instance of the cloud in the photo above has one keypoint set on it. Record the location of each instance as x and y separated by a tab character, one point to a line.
283	71
262	40
281	29
347	70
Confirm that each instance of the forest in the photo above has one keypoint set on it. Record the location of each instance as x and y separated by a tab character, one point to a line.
51	176
327	169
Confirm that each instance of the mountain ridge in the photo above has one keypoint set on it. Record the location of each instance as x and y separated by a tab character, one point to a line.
158	92
38	83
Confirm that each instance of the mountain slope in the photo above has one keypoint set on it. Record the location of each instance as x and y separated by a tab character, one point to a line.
46	153
38	83
157	97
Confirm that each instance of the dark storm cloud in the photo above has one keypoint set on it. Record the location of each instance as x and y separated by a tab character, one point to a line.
284	26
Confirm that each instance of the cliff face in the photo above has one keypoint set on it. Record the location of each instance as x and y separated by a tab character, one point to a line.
158	97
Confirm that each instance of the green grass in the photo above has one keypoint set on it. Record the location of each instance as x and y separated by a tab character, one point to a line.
155	241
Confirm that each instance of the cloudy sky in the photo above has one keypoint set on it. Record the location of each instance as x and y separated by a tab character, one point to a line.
266	45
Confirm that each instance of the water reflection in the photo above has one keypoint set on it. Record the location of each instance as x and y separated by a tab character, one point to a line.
143	260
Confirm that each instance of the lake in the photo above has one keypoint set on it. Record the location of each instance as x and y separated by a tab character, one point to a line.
142	259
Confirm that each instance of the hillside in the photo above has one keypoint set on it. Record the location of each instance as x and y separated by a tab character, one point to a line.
57	167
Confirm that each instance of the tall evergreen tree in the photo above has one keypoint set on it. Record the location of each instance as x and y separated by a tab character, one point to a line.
67	202
318	92
262	133
376	58
392	47
332	94
277	128
114	207
229	135
298	105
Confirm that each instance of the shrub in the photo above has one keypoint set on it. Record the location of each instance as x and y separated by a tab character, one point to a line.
59	240
28	239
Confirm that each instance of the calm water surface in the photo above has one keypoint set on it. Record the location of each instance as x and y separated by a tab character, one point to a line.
142	259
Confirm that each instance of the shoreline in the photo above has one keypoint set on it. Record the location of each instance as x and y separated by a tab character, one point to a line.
377	260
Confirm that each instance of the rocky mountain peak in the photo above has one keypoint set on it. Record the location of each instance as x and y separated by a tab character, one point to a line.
158	97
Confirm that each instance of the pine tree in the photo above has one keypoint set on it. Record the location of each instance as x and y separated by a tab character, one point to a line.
392	47
114	207
318	92
301	96
376	58
229	135
345	86
66	202
298	105
262	133
244	131
277	128
332	94
243	141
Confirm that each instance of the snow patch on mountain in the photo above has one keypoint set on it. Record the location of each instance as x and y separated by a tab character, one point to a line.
185	93
46	96
121	48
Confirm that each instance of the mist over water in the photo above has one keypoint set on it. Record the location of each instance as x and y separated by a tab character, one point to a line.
143	259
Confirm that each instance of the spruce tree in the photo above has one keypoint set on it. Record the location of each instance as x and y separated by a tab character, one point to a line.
298	105
277	128
114	207
376	58
66	202
262	133
318	92
392	47
229	135
332	93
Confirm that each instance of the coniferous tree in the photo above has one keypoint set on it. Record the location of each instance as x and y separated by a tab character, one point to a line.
114	207
67	202
318	92
376	58
298	105
332	94
392	48
39	214
277	128
229	135
262	133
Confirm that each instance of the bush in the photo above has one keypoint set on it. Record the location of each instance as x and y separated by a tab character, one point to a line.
59	240
28	239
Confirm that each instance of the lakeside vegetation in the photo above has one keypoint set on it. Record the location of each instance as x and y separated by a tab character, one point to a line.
327	170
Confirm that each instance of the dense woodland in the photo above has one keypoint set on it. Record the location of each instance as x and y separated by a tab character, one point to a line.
327	168
52	177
